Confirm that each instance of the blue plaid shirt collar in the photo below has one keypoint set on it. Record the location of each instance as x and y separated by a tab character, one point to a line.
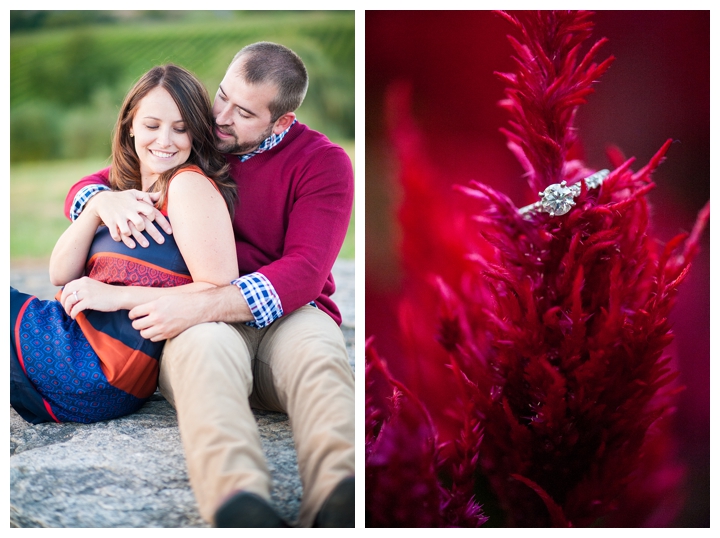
269	143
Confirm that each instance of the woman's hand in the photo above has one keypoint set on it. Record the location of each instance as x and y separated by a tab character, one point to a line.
88	294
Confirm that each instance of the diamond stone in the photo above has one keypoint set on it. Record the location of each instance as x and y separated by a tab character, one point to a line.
557	199
596	179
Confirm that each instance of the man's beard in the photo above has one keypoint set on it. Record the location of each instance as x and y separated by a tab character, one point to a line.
234	147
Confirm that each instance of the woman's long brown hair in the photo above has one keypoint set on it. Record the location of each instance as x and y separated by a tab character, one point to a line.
193	101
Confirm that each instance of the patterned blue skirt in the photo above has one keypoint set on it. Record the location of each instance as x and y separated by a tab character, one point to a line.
95	367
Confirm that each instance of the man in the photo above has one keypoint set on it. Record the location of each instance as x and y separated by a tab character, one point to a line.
270	339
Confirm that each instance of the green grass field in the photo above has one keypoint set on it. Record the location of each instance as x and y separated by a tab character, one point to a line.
37	195
67	84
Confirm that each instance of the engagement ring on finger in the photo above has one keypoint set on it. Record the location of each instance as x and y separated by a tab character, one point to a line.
558	198
76	297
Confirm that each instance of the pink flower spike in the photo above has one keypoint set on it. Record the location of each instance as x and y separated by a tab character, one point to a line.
534	376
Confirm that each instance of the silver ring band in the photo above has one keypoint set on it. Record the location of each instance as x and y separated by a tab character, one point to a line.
557	199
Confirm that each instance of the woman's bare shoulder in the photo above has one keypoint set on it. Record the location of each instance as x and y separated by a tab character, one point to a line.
190	179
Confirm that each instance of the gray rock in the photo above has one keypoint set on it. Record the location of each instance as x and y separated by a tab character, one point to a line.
131	472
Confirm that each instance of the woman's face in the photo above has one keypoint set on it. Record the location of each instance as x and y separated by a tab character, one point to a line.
161	140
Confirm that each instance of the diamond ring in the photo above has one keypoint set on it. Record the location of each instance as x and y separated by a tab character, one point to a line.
558	198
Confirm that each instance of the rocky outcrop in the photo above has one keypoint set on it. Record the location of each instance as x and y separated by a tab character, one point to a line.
128	472
131	472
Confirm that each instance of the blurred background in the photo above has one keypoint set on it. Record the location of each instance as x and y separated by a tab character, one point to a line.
70	70
657	88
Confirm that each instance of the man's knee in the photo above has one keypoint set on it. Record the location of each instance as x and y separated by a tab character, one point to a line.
201	339
209	349
307	352
308	335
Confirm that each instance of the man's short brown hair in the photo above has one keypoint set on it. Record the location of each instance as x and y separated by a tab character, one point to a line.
266	62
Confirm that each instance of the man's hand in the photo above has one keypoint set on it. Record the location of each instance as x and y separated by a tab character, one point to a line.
169	316
166	317
128	213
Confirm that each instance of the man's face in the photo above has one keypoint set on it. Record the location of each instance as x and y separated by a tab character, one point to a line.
242	116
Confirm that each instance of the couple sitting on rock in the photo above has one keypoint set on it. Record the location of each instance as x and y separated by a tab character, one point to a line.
226	310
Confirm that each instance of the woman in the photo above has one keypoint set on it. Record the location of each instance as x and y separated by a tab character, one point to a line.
78	359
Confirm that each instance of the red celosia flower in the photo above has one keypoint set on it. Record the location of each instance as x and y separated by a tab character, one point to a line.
402	461
552	327
574	373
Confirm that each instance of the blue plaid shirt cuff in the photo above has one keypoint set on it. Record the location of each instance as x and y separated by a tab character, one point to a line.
82	197
261	297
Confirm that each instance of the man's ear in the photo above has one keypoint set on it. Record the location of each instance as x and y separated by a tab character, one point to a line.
283	122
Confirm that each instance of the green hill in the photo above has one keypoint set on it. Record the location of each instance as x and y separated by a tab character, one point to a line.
66	85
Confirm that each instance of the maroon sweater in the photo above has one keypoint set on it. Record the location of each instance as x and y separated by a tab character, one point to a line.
291	217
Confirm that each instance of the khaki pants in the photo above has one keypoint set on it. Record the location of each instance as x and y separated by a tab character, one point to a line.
214	372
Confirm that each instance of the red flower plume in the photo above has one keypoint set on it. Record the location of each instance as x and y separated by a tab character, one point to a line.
402	460
551	328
